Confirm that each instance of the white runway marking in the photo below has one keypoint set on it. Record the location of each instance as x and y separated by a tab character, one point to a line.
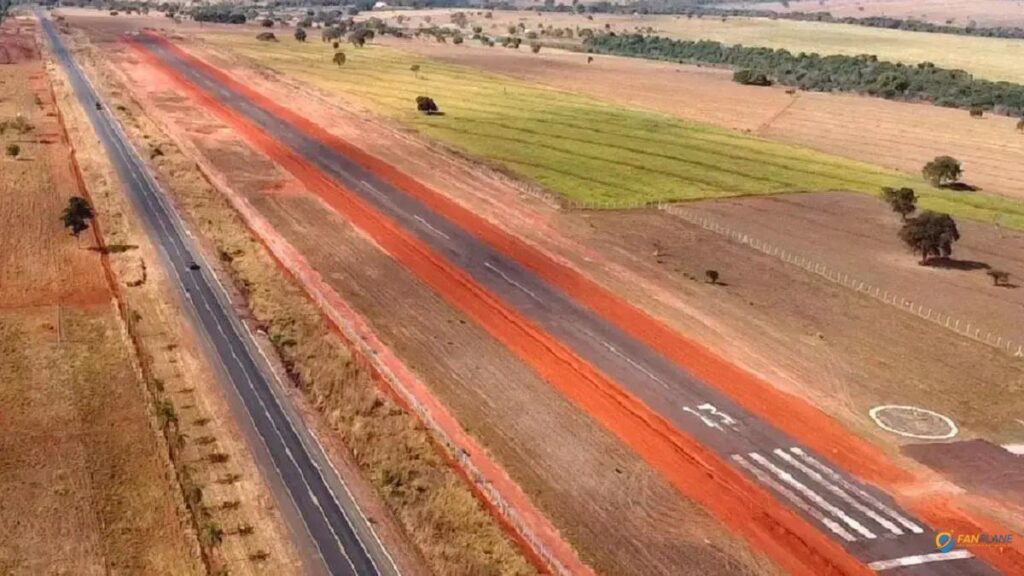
884	522
513	282
812	496
431	228
633	363
918	560
835	477
796	500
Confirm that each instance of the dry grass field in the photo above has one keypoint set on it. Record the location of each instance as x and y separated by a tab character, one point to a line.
84	478
991	58
958	12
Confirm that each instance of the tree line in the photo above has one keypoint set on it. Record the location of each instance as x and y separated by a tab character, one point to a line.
864	74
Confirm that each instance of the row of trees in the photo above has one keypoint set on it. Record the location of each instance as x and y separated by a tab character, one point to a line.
864	74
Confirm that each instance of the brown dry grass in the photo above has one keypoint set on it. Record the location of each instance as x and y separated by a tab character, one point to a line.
961	12
84	478
434	506
179	375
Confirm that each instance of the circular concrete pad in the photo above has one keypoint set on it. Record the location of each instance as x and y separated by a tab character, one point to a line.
914	422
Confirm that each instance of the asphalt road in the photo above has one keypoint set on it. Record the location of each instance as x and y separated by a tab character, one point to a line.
340	533
861	518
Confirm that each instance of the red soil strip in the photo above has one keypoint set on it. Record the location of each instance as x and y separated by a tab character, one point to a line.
748	509
490	483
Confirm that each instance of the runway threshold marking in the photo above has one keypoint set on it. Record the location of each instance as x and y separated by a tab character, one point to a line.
906	561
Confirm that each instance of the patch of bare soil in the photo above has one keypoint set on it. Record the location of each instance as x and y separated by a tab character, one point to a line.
858	235
957	12
84	477
844	352
896	135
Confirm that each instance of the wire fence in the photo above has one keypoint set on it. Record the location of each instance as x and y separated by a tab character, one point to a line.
960	326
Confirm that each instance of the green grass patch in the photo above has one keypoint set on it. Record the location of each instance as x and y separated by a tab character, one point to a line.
583	148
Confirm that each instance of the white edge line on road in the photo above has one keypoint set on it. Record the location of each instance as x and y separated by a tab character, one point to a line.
905	561
135	170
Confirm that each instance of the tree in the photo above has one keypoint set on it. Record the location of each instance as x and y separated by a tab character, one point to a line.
266	23
903	201
300	34
712	276
426	105
13	150
339	58
930	234
77	215
534	47
942	170
750	78
999	277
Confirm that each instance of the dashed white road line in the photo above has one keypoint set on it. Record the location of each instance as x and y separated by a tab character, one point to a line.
918	560
796	500
432	228
634	364
508	279
813	496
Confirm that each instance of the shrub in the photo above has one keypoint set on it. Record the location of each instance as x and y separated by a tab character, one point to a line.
712	276
300	34
748	77
266	37
942	170
13	150
426	105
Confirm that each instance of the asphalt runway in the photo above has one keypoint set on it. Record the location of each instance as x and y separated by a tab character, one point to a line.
342	536
861	518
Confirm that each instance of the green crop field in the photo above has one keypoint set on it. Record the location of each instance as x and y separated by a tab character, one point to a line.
582	148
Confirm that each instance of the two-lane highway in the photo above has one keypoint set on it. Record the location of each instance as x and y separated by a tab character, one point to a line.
341	534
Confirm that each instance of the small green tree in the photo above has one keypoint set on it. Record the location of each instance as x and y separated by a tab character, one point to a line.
426	105
712	276
300	34
339	58
903	201
77	215
942	170
930	234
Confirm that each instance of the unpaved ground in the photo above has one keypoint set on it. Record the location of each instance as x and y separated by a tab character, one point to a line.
843	352
858	235
84	478
961	12
622	516
897	135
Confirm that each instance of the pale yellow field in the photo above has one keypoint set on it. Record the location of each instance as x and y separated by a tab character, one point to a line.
990	58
